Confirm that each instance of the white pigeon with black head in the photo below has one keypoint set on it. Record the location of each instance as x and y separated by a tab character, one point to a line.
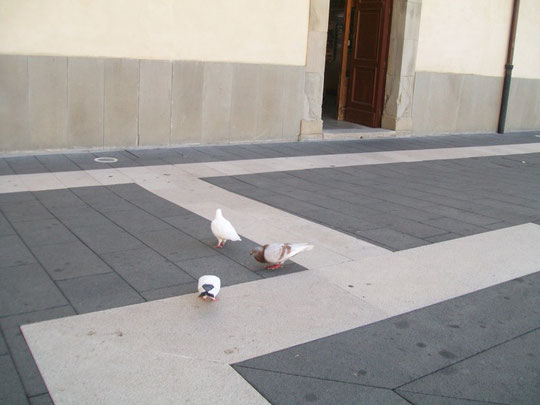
276	253
223	230
209	287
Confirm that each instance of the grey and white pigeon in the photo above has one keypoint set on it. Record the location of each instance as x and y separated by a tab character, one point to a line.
223	229
276	253
209	287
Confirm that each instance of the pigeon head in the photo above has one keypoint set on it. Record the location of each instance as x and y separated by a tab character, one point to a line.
218	213
258	254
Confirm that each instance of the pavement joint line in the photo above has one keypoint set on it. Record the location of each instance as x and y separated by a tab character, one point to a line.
469	357
313	377
450	397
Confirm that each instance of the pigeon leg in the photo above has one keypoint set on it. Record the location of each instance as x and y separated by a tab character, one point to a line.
219	245
275	266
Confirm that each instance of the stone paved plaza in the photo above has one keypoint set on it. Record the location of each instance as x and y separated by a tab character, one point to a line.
423	286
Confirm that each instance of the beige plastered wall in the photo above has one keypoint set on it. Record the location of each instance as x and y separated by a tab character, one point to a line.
78	74
462	50
246	31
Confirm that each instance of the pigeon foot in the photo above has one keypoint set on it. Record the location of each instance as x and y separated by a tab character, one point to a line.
275	266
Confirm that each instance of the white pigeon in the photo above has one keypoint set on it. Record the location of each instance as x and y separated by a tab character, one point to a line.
223	230
276	253
209	286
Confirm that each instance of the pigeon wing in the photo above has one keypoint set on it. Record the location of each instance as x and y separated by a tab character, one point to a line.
295	248
274	253
223	230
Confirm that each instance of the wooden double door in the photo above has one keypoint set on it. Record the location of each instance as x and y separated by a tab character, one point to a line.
364	61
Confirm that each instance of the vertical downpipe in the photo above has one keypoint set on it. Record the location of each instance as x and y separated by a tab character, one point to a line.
508	68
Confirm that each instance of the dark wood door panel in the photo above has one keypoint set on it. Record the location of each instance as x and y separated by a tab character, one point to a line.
363	85
367	23
367	62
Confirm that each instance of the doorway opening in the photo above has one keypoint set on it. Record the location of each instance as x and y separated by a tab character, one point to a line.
355	66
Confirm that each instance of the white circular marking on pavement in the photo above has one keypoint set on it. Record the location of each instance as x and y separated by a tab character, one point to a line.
106	160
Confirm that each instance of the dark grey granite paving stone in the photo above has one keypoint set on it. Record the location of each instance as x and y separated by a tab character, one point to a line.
195	226
260	149
175	245
502	224
153	162
131	192
400	199
151	153
85	161
456	226
288	268
5	228
44	399
29	373
54	199
401	349
136	221
504	197
43	232
424	399
174	291
57	163
160	207
27	288
25	165
69	260
218	153
13	252
10	198
465	216
11	389
189	155
144	269
508	373
25	211
443	237
407	226
6	171
228	270
82	217
123	156
390	238
98	292
3	346
108	239
511	207
249	153
286	389
102	199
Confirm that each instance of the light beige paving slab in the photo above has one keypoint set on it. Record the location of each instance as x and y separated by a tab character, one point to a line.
259	317
414	278
12	183
76	179
123	376
108	177
41	181
171	342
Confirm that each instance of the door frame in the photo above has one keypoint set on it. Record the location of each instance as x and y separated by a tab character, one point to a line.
343	81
